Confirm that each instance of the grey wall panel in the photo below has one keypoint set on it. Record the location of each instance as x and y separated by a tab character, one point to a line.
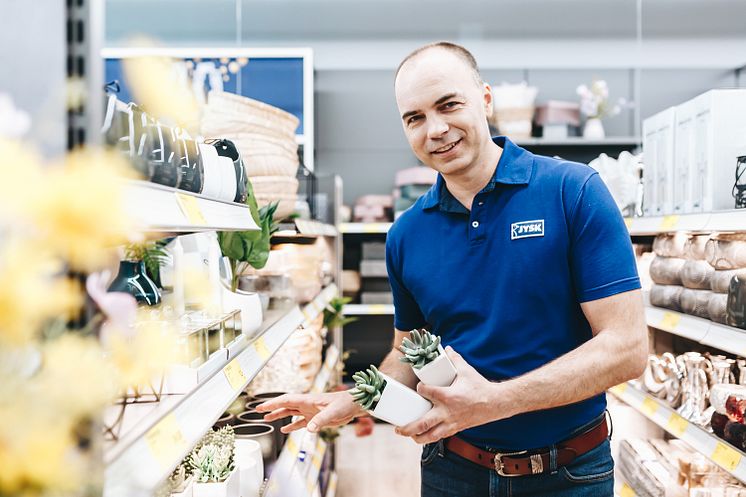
664	88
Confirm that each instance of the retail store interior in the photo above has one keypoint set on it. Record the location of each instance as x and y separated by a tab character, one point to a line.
194	216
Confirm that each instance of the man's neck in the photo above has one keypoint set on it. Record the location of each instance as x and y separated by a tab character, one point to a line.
464	186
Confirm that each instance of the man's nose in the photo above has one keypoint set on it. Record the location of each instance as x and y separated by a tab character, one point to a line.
436	128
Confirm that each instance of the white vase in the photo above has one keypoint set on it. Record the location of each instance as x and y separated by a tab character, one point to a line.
399	404
249	462
439	373
250	306
227	488
594	129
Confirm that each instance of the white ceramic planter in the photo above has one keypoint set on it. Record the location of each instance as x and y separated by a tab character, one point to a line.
227	488
439	373
399	404
250	306
188	489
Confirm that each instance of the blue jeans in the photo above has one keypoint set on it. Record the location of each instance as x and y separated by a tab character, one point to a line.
445	474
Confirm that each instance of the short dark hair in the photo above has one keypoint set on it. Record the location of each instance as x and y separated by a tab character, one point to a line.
458	50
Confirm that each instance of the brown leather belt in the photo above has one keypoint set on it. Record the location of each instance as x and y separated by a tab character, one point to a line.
531	462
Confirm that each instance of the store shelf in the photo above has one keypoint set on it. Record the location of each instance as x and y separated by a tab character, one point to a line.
579	141
365	227
145	456
731	220
718	451
368	310
706	332
163	209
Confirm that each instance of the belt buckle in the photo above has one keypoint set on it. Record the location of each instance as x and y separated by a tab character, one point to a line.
499	465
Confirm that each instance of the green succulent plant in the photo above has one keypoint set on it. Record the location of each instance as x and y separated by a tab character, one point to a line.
212	459
368	388
420	349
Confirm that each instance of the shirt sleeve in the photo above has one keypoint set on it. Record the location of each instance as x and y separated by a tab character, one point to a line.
601	256
407	314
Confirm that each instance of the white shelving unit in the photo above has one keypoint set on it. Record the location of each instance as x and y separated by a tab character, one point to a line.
574	141
141	460
704	331
365	227
731	220
368	310
718	451
157	208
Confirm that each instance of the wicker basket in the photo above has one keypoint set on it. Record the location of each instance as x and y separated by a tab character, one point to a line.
697	275
285	206
219	122
270	185
230	103
513	122
666	270
270	165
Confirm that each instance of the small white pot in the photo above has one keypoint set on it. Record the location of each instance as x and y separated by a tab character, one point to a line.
399	404
227	488
594	129
250	306
188	489
439	373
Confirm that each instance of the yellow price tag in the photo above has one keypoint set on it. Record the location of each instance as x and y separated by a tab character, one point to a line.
628	223
626	491
190	207
677	425
235	375
261	348
670	321
619	389
166	441
726	456
649	406
669	222
292	447
377	309
316	461
373	228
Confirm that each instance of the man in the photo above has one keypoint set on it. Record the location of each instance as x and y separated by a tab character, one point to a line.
523	265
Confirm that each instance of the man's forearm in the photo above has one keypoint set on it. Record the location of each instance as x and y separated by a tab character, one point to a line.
590	369
392	366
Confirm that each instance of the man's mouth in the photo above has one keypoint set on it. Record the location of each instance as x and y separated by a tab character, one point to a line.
447	148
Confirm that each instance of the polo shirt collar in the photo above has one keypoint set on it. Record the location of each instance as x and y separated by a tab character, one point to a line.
514	168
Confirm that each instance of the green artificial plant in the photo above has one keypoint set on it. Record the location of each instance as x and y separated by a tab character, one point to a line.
368	388
420	349
152	254
334	313
249	248
212	459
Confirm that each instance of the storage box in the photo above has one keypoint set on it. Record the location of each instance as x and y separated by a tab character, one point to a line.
374	298
558	112
374	251
658	158
373	269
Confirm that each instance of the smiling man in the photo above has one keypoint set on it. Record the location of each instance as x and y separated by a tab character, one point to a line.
523	265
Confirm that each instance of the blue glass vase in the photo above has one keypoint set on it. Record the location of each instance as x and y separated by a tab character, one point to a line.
133	279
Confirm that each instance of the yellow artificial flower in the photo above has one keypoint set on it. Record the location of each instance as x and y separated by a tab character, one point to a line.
142	356
159	88
75	377
30	293
79	209
22	173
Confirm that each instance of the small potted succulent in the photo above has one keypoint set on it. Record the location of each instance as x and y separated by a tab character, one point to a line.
428	359
180	482
387	399
212	465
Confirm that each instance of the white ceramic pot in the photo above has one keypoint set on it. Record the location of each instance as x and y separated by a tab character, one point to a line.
250	306
439	373
594	129
247	452
212	184
399	404
227	488
228	183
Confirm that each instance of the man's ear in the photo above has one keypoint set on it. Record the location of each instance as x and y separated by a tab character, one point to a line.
489	107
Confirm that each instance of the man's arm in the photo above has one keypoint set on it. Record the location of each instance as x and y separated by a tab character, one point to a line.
616	353
396	369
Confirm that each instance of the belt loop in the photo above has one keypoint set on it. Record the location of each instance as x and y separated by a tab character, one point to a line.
441	447
553	459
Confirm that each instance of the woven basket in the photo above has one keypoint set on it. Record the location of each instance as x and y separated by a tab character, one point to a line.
270	185
720	281
214	121
697	275
695	302
514	122
666	270
237	104
285	207
666	296
716	307
270	165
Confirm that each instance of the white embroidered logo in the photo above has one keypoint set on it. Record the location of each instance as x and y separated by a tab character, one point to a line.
527	229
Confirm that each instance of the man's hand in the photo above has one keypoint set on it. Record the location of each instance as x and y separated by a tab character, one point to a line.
466	403
317	411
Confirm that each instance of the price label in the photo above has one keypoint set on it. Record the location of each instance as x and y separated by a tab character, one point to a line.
235	375
619	389
649	406
377	309
292	447
626	491
677	425
190	207
166	442
316	461
669	222
726	456
670	321
374	228
628	223
261	348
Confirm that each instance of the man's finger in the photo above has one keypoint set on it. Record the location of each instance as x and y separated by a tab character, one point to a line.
281	413
431	436
328	416
291	401
295	425
431	393
422	425
456	359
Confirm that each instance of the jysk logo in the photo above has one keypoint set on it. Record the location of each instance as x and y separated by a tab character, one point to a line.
527	229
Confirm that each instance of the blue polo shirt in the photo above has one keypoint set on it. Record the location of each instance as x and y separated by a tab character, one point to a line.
503	284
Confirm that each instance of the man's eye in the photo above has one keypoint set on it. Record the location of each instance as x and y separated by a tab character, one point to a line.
448	105
413	119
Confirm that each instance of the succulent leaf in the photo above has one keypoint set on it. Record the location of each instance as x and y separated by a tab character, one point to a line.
368	387
420	348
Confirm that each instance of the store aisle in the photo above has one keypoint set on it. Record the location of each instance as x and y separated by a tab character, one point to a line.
390	462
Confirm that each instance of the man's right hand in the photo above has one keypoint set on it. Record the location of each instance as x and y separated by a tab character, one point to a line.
316	411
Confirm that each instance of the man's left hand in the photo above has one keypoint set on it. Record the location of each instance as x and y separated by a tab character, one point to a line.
464	404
